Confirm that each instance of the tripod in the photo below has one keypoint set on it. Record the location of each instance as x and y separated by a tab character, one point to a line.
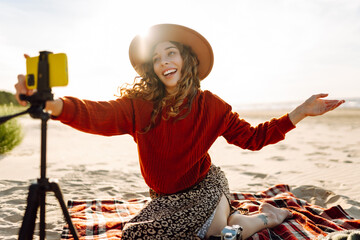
37	191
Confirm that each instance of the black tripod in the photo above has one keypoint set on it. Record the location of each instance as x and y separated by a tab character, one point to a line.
37	191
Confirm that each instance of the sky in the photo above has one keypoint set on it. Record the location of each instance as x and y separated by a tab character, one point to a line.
265	50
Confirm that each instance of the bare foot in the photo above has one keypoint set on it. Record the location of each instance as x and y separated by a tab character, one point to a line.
268	216
272	216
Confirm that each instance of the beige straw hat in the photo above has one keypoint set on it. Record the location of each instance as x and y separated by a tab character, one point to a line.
141	46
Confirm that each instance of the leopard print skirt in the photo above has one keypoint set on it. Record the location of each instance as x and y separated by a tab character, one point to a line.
180	215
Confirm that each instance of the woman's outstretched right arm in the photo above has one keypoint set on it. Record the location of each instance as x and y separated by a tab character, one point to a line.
114	117
54	107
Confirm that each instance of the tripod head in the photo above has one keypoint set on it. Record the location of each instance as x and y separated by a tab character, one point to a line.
43	93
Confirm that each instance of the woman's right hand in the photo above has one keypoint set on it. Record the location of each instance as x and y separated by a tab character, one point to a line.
54	106
21	88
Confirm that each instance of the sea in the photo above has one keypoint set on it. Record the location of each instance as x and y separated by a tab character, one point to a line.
350	103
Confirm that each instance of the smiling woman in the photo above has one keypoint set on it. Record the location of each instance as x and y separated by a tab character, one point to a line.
174	124
178	60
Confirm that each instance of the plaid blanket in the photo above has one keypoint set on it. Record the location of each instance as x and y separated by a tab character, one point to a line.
104	219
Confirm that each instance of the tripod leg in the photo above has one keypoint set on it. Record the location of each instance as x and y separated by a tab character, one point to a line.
28	224
56	189
42	215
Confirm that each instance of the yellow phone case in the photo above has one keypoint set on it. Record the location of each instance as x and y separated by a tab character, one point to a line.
58	72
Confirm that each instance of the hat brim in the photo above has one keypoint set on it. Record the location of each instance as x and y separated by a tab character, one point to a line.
141	46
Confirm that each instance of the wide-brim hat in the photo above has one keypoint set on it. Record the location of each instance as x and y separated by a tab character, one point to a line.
142	45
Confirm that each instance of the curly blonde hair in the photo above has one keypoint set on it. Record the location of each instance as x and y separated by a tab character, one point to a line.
149	87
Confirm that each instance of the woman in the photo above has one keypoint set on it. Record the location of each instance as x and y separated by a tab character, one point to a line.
174	124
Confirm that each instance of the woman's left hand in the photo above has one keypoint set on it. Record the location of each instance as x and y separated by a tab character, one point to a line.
314	106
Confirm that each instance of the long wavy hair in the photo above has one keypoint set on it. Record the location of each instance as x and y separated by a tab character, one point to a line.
149	87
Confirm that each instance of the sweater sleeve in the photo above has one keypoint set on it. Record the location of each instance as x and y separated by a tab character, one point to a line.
242	134
103	118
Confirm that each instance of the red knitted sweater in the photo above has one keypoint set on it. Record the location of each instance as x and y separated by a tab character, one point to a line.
174	154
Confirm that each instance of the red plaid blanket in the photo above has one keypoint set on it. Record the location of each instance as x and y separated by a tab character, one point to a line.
104	219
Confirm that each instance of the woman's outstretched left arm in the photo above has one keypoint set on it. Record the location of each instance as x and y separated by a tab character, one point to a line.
314	106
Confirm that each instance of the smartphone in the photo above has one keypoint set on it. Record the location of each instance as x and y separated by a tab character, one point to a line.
58	71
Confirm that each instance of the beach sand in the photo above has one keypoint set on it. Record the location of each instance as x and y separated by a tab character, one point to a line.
320	160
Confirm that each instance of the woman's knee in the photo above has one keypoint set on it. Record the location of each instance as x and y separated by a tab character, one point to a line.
220	218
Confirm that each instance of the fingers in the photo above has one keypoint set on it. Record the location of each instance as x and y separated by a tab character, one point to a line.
290	214
316	106
340	102
320	95
332	104
315	97
21	88
328	102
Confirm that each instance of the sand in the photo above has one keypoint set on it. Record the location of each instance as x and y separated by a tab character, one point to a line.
320	160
